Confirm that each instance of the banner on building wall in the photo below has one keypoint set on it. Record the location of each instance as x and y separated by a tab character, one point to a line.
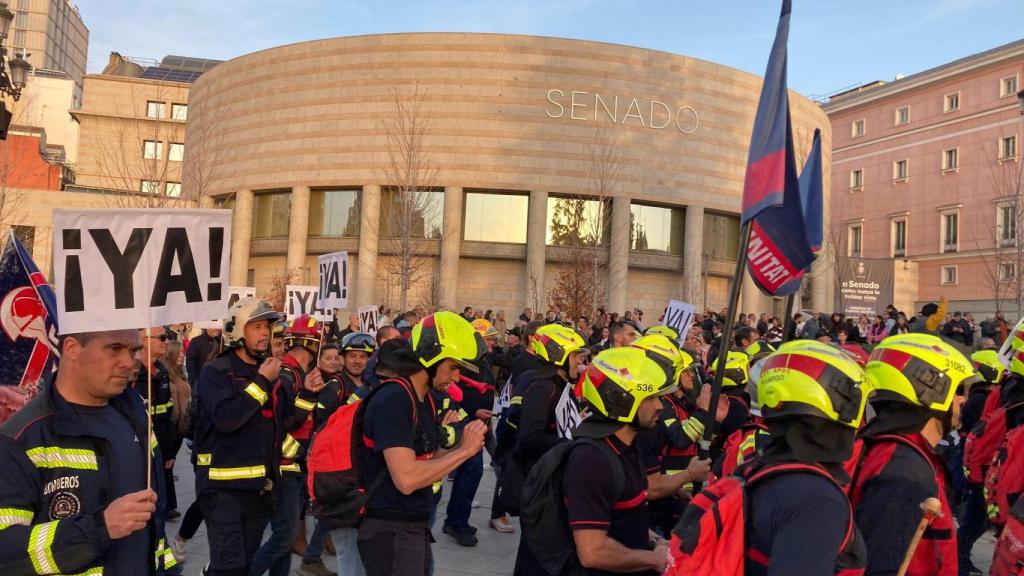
301	300
135	268
333	292
865	286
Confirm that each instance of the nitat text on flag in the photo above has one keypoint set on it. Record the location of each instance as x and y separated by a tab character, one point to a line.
28	322
765	181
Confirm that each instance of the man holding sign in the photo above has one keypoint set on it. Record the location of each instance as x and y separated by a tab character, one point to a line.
73	494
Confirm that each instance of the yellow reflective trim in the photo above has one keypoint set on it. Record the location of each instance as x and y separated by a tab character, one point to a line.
15	517
693	429
164	553
436	487
509	422
94	571
462	414
669	421
293	467
204	459
254	390
290	447
515	400
240	473
162	408
321	406
449	437
304	404
56	457
39	542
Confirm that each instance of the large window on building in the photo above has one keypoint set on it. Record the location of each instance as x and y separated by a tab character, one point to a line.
152	149
155	109
176	152
577	222
420	212
899	237
334	213
179	112
950	231
656	228
492	217
1006	224
270	214
721	236
854	240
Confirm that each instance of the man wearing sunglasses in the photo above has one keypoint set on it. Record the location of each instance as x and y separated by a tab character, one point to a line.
154	346
920	383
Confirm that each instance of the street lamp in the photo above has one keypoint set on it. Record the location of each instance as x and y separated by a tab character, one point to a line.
11	83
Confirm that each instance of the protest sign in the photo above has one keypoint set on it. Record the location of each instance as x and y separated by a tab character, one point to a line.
679	317
368	320
301	300
236	293
567	414
333	292
134	268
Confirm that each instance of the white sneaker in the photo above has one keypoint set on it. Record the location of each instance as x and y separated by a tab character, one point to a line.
503	524
476	504
178	545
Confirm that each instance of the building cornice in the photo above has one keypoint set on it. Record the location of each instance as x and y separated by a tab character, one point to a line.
933	75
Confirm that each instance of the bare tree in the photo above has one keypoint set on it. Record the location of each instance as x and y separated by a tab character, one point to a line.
1004	261
581	223
204	151
410	206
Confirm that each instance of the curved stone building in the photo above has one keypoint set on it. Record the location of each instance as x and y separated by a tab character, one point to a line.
525	143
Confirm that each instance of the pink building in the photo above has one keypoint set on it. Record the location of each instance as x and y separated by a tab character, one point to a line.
926	170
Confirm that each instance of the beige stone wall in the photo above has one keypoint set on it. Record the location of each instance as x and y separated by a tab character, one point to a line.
491	284
45	103
114	126
35	208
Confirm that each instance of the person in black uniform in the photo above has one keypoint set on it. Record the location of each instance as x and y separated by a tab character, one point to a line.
73	491
154	345
237	453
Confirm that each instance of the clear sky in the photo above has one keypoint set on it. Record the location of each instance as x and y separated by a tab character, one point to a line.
833	44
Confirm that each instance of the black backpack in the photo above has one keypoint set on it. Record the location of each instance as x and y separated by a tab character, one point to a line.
543	514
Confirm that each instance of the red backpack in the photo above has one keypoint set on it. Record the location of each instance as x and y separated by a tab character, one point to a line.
710	538
1009	556
334	467
984	440
1004	480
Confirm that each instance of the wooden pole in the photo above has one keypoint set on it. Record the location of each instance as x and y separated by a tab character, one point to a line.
149	410
723	351
931	509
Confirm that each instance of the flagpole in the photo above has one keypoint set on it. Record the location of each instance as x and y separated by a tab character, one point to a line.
723	348
789	324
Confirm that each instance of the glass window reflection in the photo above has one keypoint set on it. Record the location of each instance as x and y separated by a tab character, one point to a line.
721	236
333	213
495	217
421	212
577	222
656	228
270	214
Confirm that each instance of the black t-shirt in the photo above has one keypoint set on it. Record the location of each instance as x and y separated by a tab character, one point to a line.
592	505
798	520
127	461
388	423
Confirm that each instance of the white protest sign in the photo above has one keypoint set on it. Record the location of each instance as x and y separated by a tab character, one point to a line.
505	398
301	300
679	317
333	281
1005	352
368	320
567	414
134	268
236	293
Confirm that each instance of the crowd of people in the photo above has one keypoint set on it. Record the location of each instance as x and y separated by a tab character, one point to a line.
816	458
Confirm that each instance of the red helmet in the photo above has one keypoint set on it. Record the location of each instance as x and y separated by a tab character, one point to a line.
303	331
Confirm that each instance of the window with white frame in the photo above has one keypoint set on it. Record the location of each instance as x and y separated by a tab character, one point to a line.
150	187
854	239
173	189
1007	271
899	237
857	129
899	170
152	149
179	112
856	179
155	109
951	159
1008	147
951	103
950	231
949	274
1006	224
176	153
1008	86
903	116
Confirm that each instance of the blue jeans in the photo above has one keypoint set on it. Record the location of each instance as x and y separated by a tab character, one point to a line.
467	480
315	548
346	544
275	554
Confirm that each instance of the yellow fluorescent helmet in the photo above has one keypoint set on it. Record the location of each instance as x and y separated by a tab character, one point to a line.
667	331
619	379
484	328
988	365
665	352
446	335
737	366
920	369
553	343
814	379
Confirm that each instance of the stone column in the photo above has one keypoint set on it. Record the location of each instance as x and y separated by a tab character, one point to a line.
618	256
241	236
536	242
451	241
206	201
693	257
298	233
823	282
369	241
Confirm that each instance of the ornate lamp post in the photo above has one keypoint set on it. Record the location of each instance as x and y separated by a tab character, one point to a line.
13	73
